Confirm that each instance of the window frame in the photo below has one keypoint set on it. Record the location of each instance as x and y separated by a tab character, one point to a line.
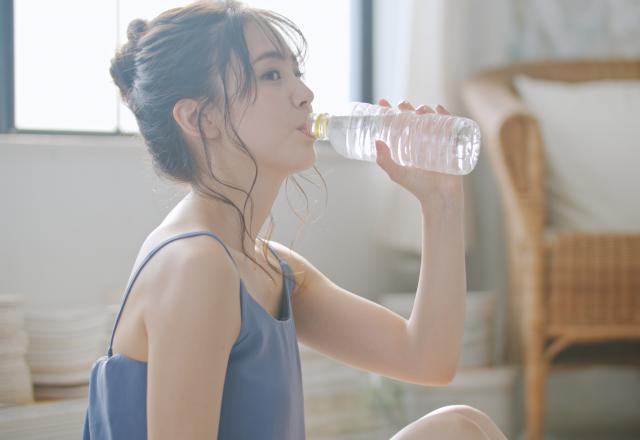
361	79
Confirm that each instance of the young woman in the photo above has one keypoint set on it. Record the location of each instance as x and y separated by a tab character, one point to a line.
207	346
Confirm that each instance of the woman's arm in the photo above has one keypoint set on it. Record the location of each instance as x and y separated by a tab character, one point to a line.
191	328
425	348
436	323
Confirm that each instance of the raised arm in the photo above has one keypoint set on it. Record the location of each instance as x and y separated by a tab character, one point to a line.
347	327
436	324
359	332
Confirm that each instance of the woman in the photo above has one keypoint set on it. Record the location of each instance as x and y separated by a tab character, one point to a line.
218	97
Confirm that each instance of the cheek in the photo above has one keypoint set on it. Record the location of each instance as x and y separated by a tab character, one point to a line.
266	142
265	129
265	135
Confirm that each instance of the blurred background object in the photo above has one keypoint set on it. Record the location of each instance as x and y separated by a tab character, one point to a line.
574	234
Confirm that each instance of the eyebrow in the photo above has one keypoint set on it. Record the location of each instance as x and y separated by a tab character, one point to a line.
273	54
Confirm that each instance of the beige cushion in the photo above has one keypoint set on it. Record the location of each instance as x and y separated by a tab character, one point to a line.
591	135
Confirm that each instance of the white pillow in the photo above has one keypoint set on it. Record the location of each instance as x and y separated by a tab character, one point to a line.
591	135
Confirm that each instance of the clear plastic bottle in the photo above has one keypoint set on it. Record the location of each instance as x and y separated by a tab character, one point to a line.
431	141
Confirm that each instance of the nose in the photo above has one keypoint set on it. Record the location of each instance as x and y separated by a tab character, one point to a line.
304	95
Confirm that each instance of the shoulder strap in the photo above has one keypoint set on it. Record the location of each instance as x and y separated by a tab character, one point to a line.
272	250
146	260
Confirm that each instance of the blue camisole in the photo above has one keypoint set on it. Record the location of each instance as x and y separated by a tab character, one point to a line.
262	396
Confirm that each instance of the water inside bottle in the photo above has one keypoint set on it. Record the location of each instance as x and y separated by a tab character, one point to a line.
436	142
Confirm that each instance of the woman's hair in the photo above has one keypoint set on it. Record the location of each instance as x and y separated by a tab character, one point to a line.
187	52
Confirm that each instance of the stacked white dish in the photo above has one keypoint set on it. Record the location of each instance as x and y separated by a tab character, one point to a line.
15	378
112	314
43	393
60	420
64	344
337	399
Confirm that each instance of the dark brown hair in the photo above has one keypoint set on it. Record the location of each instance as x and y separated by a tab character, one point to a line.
186	52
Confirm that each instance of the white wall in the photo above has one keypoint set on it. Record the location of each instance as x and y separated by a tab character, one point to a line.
76	210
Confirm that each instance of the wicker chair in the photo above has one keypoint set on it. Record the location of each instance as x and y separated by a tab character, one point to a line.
567	289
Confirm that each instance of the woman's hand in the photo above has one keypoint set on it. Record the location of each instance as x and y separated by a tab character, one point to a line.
428	186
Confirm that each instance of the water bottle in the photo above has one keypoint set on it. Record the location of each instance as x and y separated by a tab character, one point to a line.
431	141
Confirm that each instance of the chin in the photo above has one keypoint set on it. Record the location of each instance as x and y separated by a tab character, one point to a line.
308	160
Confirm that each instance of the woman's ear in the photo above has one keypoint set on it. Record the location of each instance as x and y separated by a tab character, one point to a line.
185	112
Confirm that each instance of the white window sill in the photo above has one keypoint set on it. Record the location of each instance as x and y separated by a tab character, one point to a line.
127	142
71	140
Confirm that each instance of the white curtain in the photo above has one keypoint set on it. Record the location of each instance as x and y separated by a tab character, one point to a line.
584	29
424	50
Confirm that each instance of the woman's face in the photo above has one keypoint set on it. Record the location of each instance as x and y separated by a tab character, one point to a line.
270	126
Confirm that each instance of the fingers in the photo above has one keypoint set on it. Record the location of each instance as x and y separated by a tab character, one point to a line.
381	151
442	110
406	106
424	109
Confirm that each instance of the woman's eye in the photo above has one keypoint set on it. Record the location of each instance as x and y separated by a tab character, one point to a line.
270	75
274	75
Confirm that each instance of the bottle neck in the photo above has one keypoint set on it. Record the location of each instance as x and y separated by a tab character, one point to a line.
320	125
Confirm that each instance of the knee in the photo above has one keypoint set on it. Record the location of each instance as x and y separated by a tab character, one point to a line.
458	425
463	410
447	423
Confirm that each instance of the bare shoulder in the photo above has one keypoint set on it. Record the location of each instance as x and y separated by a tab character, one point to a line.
193	275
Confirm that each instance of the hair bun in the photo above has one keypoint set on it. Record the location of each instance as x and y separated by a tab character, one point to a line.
136	29
123	65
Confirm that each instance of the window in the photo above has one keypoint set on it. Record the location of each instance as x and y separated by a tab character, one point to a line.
60	78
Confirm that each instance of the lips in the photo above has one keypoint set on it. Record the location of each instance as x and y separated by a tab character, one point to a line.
304	128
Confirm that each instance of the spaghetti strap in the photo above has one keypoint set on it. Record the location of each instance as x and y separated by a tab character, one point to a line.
266	347
146	260
274	253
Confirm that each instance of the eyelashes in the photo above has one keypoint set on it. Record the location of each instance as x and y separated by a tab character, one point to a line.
270	75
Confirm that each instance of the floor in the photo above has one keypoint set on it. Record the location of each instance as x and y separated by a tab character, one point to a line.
590	435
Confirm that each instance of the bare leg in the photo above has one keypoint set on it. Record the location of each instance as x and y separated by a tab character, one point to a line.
446	426
449	423
480	418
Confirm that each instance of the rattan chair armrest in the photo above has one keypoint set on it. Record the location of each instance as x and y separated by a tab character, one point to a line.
511	138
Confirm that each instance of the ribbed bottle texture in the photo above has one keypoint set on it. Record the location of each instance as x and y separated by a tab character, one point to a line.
431	141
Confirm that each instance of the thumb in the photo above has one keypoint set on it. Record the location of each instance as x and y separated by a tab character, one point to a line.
383	156
382	152
385	161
